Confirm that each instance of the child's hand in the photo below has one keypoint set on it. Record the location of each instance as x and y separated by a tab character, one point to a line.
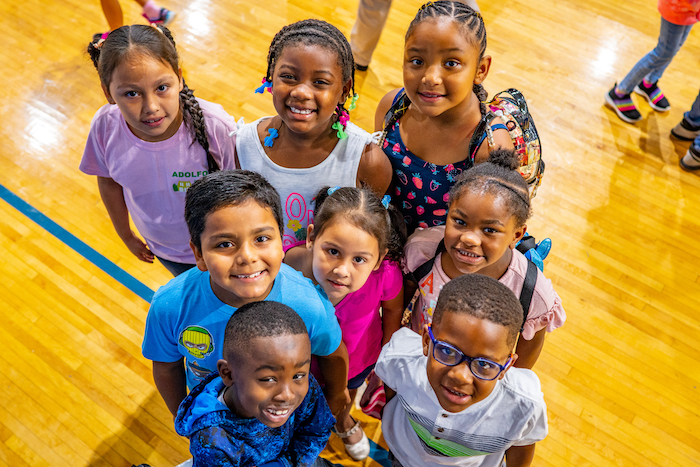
338	401
139	248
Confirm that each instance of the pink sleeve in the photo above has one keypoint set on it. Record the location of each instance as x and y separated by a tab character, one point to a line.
93	161
219	126
543	316
392	280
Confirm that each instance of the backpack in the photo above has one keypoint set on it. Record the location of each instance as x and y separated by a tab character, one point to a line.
511	108
525	246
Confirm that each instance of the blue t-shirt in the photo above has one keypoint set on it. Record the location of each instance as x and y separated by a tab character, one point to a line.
187	320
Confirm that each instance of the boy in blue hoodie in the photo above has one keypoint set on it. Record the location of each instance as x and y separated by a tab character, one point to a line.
263	405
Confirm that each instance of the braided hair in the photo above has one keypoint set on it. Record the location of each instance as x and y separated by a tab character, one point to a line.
156	42
313	32
498	176
471	24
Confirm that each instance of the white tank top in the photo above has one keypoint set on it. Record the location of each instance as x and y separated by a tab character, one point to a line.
298	187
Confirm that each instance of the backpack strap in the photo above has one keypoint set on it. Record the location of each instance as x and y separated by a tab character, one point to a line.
528	290
421	271
497	126
526	243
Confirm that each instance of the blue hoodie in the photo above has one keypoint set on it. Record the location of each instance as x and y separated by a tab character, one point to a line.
220	438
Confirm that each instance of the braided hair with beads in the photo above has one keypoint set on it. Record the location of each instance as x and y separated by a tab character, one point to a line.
322	34
471	24
157	42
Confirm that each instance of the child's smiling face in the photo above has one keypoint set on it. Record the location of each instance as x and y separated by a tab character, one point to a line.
268	379
307	86
456	387
343	258
242	250
480	231
441	66
147	92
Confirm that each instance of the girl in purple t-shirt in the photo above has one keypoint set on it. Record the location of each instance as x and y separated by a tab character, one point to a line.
142	149
351	252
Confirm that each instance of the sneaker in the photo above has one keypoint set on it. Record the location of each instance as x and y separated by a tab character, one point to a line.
359	67
654	96
691	160
623	106
166	17
686	131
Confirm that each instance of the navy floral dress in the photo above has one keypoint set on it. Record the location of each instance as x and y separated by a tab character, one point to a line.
420	189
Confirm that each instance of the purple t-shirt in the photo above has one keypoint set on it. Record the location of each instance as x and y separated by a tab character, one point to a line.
155	176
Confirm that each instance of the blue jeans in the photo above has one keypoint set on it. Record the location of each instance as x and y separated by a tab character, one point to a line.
693	117
653	64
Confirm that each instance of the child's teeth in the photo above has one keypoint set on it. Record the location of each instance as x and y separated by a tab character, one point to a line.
248	276
278	412
299	111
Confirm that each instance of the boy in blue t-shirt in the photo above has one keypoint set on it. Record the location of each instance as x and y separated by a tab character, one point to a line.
263	407
235	223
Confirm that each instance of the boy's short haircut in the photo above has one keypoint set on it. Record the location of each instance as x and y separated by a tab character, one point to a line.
227	188
260	319
481	297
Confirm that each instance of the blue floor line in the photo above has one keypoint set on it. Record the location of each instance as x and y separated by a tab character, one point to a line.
120	275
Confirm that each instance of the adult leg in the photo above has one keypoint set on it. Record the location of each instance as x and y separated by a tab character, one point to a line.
371	17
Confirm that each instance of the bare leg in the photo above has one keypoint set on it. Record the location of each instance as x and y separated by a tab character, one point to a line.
345	422
113	13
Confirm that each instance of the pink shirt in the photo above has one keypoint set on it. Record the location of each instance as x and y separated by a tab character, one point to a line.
358	316
545	308
155	176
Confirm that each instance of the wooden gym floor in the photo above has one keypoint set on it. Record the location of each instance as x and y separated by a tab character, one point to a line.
620	378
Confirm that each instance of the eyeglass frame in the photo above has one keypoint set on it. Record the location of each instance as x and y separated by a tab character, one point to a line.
502	368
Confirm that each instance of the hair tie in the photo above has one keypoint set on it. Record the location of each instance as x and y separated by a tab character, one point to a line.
341	131
265	85
385	201
269	140
332	190
353	101
157	28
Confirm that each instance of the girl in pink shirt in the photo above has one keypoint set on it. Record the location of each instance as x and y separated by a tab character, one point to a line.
351	252
488	209
142	147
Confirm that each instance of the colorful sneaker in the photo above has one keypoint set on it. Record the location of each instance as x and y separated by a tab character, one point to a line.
653	95
166	17
691	160
686	131
623	106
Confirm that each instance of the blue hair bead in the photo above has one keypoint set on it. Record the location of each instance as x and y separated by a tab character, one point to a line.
269	140
332	190
385	201
266	84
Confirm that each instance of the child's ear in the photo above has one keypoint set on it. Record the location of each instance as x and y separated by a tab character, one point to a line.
225	372
199	259
426	340
514	358
347	88
310	237
482	69
179	77
107	94
517	235
381	258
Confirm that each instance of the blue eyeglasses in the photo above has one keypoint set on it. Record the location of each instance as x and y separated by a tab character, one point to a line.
450	355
